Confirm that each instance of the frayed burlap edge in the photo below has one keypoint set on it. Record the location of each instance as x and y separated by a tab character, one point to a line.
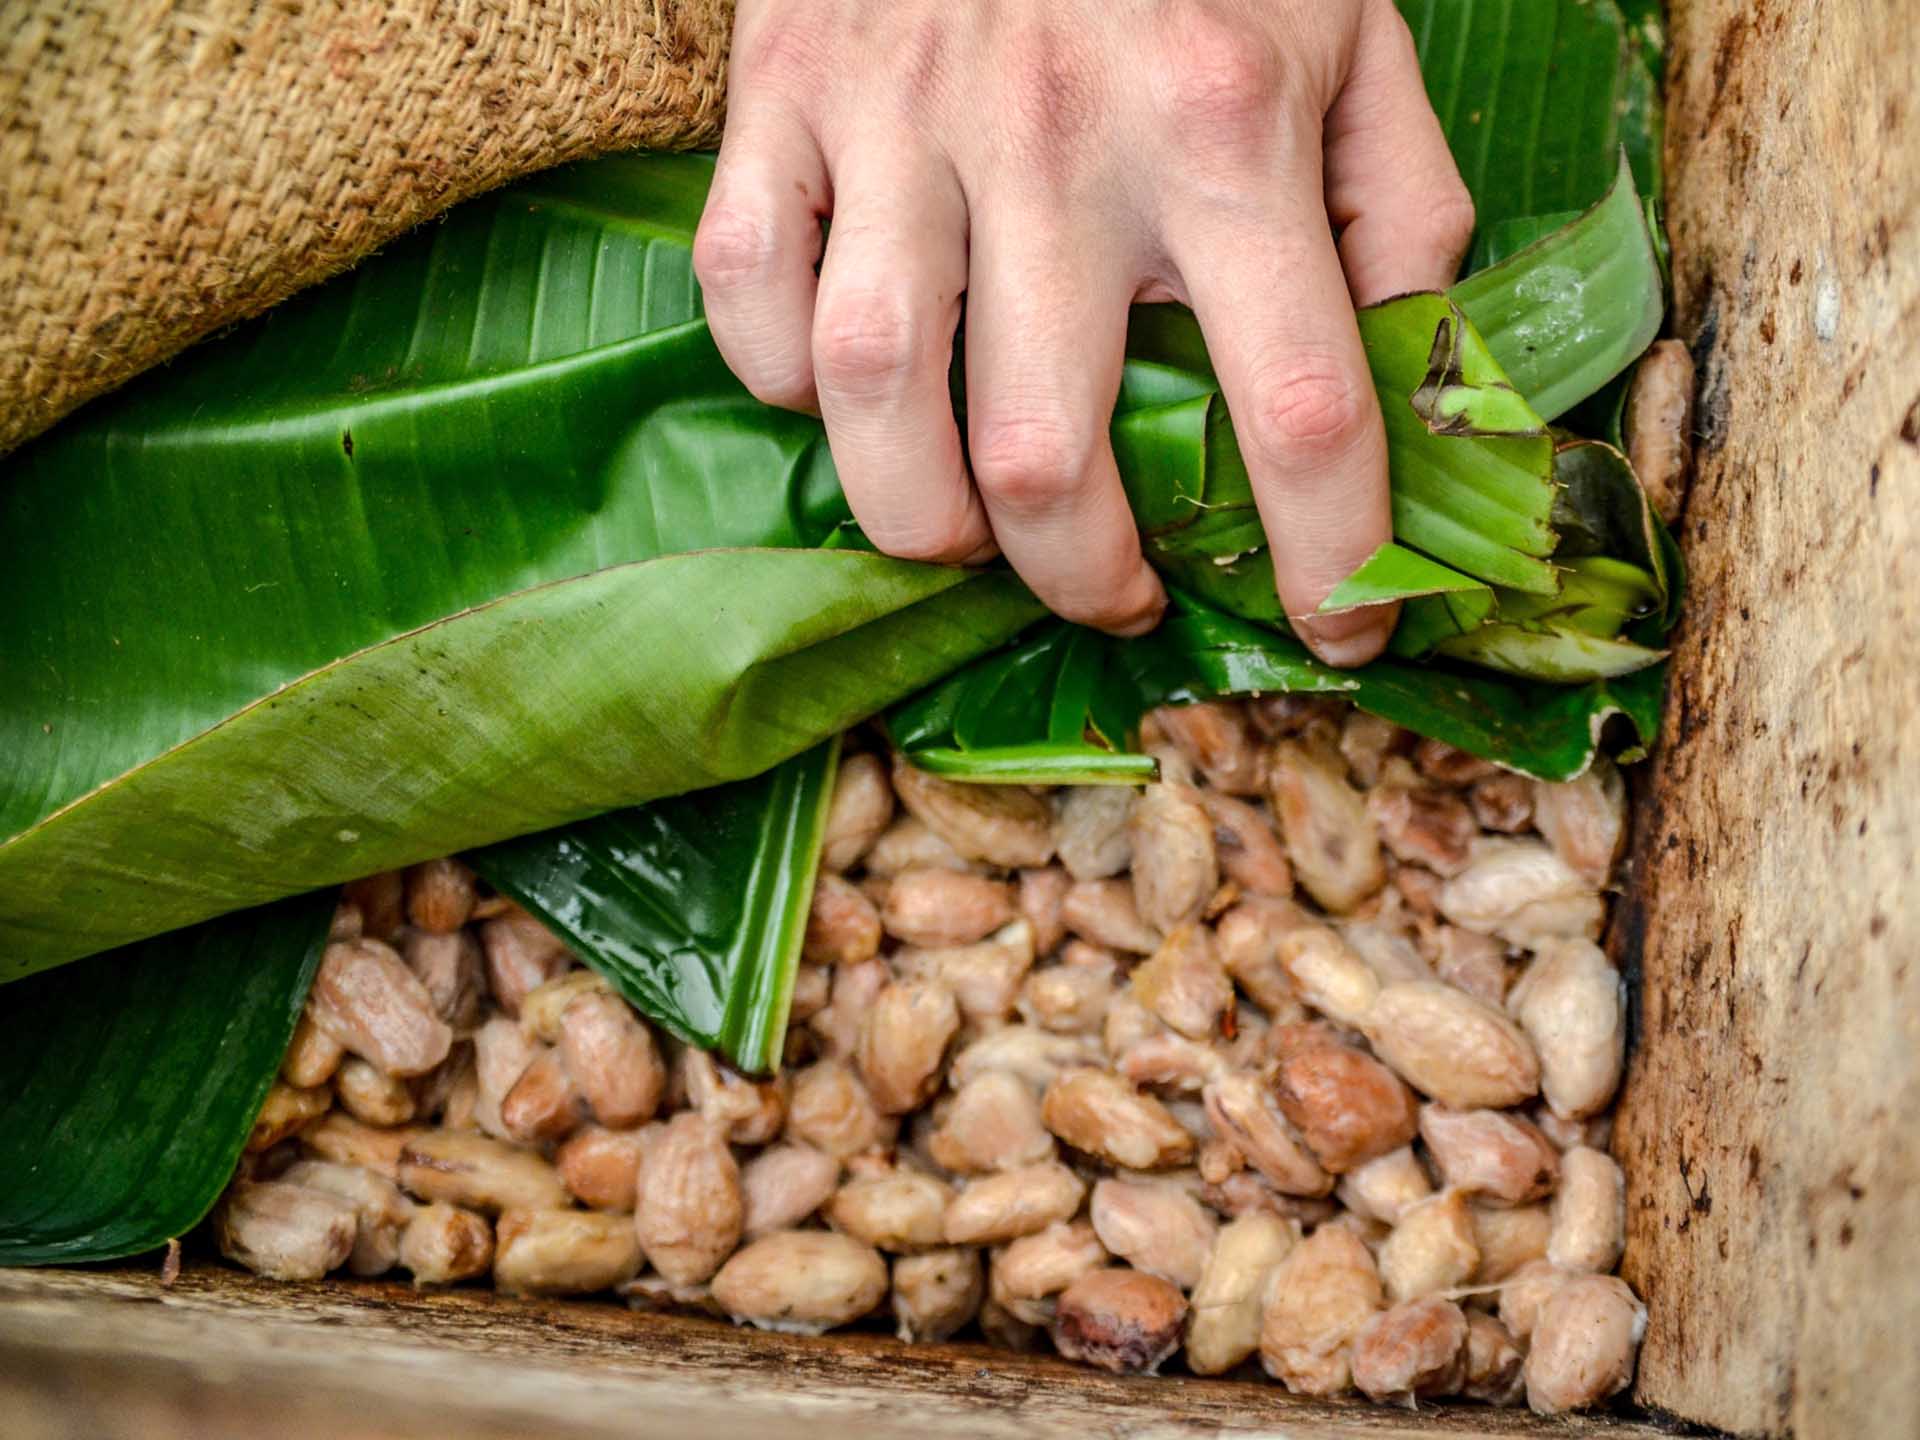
168	167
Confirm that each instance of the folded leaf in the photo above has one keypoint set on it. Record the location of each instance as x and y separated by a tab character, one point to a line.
1563	653
1553	322
693	907
524	393
1599	596
1052	709
129	1083
303	605
1567	313
1426	620
547	706
1494	243
1471	463
1616	586
320	596
1394	573
1602	510
1551	732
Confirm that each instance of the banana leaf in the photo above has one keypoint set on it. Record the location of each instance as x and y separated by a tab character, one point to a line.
1619	591
1471	464
1055	708
1551	732
130	1081
1567	313
1537	98
1394	572
1494	243
693	907
436	556
1647	31
1465	389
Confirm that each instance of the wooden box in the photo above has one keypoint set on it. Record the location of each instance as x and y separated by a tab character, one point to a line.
1771	931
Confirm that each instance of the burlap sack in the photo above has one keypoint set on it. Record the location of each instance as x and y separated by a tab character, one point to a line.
170	166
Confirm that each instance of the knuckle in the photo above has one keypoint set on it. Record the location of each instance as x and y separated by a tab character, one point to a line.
1053	96
733	246
1220	84
1451	217
1030	462
864	342
791	54
1308	413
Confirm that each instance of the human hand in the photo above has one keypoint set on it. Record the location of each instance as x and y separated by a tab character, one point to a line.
1056	161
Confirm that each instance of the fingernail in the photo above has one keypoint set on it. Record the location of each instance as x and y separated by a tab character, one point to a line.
1351	637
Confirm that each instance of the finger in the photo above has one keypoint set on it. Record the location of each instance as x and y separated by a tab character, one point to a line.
1269	294
1046	335
883	330
1405	218
754	253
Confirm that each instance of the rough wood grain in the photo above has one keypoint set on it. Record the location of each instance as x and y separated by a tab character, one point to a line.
212	1355
1769	1129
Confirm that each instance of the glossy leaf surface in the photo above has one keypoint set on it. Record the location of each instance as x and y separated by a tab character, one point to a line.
130	1082
693	907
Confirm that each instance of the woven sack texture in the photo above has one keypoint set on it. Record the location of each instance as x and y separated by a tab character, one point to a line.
168	167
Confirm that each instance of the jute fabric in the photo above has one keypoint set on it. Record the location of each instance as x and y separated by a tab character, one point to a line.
168	167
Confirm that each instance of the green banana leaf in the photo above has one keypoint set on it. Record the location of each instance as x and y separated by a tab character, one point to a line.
432	557
1054	708
1567	313
560	702
1619	591
1538	97
693	907
1551	732
1494	243
1647	30
428	558
1470	465
1394	572
1602	510
1483	507
130	1082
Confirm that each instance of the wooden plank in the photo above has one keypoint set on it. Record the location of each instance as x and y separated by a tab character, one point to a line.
105	1355
1771	1126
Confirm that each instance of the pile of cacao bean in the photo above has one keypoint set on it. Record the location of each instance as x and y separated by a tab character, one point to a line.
1298	1061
